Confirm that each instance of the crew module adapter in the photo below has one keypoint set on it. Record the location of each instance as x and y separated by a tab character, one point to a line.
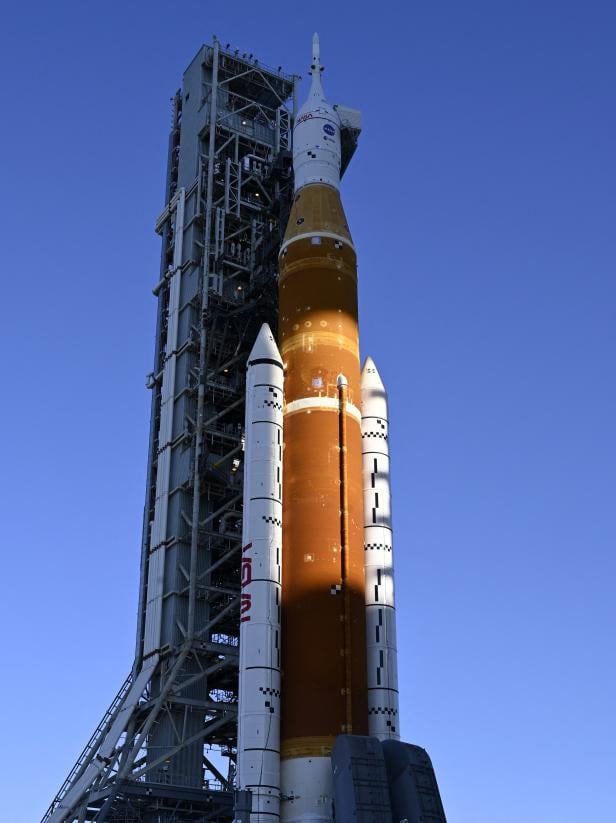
318	732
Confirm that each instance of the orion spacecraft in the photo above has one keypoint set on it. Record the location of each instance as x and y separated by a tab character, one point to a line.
318	733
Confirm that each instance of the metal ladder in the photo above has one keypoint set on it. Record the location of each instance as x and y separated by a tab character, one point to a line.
91	746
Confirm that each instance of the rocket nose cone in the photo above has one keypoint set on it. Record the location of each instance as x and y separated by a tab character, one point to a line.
265	346
370	377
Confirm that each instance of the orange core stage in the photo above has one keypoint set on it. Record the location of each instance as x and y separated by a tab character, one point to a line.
324	690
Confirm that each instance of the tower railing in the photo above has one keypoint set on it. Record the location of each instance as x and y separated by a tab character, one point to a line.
91	747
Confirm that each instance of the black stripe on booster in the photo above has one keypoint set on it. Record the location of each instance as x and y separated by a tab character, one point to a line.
266	360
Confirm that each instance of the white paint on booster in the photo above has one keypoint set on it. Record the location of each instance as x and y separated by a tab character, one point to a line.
383	720
258	749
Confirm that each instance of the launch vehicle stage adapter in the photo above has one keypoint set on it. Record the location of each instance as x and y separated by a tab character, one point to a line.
318	680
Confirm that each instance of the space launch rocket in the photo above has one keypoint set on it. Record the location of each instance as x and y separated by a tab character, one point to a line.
317	630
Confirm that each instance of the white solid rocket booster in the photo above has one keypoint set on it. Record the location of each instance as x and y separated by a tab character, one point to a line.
258	750
378	553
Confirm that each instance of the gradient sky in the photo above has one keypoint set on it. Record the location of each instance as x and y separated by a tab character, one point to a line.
482	203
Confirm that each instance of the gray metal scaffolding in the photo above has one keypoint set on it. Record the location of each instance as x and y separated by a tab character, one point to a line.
165	749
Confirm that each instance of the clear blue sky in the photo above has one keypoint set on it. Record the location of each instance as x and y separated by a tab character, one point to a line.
482	202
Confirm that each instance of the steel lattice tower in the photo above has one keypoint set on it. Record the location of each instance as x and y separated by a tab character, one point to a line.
165	749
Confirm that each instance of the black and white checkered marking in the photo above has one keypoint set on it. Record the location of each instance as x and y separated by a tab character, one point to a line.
270	691
377	546
267	691
380	430
385	711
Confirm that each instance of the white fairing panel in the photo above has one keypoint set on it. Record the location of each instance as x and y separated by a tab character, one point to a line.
316	134
309	790
383	721
259	675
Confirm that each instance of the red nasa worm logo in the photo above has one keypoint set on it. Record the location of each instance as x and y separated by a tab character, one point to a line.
246	599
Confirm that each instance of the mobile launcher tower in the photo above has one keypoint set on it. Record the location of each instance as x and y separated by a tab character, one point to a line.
264	685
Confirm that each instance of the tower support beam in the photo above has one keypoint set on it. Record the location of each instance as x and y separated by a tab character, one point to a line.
166	748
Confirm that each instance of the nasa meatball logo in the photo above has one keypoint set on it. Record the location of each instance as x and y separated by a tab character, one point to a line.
329	129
